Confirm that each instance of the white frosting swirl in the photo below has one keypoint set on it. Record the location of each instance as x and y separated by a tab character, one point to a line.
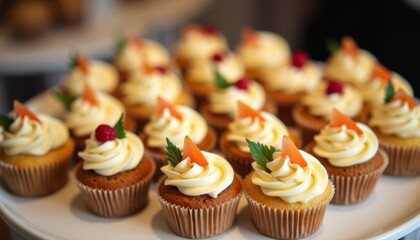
225	101
271	50
133	57
343	147
230	67
269	132
320	103
195	45
27	136
101	76
165	126
348	69
143	89
290	181
112	157
293	80
396	118
195	180
83	118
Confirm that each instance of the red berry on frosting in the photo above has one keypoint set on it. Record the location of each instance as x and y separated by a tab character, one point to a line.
334	87
242	83
217	58
210	30
105	133
161	69
300	58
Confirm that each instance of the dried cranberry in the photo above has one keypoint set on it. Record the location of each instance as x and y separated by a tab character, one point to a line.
161	69
334	87
242	84
218	57
105	133
210	29
300	58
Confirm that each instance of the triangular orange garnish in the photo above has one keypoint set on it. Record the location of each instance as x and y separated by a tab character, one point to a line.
381	72
349	46
22	111
288	148
339	119
191	150
250	36
404	97
162	105
148	69
245	111
137	42
89	96
83	64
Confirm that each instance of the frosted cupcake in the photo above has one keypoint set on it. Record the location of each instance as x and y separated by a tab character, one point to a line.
99	75
35	152
175	122
200	78
198	43
199	193
350	64
258	126
287	84
288	192
261	51
350	152
133	52
114	174
396	122
316	106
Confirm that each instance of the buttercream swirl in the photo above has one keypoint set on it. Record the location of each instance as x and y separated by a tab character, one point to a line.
343	147
165	126
83	118
271	50
293	80
194	180
133	57
269	132
143	89
225	101
396	118
195	45
348	69
112	157
230	67
27	136
101	76
320	103
289	181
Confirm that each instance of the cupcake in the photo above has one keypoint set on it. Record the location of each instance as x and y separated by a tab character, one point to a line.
350	152
200	78
221	105
287	84
100	75
114	174
35	152
315	109
86	112
199	193
261	51
175	122
198	43
350	64
258	126
397	124
140	92
132	53
288	192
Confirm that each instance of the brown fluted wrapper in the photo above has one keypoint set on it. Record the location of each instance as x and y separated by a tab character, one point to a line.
200	222
35	180
403	161
117	202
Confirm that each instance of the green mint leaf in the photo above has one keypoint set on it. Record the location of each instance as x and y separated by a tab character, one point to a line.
120	45
173	153
119	127
67	101
220	81
5	122
261	153
332	45
389	92
74	60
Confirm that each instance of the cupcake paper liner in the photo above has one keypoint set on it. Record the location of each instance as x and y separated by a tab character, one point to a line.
403	161
35	181
200	222
117	202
